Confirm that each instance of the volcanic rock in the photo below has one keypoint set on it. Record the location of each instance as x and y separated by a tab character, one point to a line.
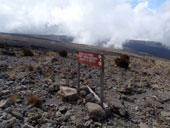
68	94
95	111
117	107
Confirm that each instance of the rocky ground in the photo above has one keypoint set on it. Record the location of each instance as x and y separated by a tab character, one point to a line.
31	95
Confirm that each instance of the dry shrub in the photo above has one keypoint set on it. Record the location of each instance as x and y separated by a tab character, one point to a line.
35	101
53	59
168	73
113	73
29	68
52	53
48	74
26	52
124	56
2	45
13	73
7	53
62	53
122	61
13	99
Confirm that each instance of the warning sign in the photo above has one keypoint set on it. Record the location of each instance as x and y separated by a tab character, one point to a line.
93	59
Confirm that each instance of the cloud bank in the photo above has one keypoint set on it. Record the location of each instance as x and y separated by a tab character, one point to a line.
104	22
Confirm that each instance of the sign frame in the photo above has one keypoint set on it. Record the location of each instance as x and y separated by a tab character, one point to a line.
94	64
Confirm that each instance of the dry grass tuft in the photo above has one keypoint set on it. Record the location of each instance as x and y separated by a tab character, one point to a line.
62	53
52	53
26	52
168	73
29	68
13	99
35	101
48	74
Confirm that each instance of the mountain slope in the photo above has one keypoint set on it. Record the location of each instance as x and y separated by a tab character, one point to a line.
149	47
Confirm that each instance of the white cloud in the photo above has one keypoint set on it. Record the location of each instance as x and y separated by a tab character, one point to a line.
89	21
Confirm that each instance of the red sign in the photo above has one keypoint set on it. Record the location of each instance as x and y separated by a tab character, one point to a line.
93	59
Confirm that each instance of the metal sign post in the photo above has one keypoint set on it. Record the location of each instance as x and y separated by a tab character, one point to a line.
102	81
78	75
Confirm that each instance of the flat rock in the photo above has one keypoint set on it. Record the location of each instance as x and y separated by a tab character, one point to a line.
8	123
165	114
143	125
95	111
27	126
68	94
4	103
17	115
5	92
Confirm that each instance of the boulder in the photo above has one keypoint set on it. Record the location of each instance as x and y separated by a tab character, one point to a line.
117	107
68	94
95	111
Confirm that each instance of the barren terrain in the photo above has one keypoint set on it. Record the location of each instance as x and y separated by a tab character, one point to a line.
138	97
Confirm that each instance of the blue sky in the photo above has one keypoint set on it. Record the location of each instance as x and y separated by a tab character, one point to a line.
154	4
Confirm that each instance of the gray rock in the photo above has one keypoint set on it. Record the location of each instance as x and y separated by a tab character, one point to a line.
27	126
17	115
9	123
143	125
81	126
58	114
68	114
4	104
95	111
8	109
88	123
117	107
73	118
9	82
6	116
5	92
83	93
51	89
165	115
90	98
63	109
68	94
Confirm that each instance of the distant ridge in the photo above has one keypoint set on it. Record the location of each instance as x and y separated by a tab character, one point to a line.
149	47
136	48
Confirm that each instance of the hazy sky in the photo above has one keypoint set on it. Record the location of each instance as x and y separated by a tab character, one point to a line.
89	21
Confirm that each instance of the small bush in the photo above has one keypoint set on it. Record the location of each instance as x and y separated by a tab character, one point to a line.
62	53
35	101
2	45
124	56
122	61
4	52
26	52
